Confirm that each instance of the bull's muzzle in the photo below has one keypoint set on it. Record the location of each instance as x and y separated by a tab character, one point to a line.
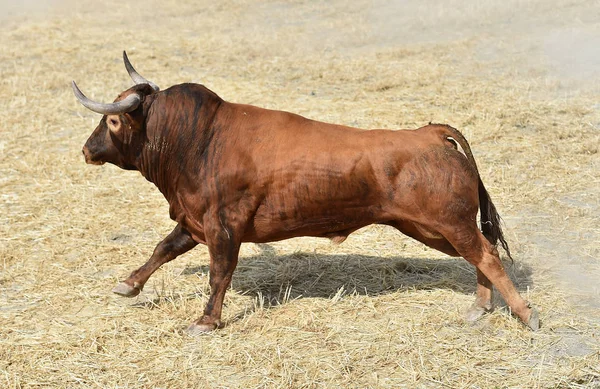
88	158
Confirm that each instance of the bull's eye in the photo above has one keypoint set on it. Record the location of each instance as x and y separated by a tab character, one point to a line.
113	122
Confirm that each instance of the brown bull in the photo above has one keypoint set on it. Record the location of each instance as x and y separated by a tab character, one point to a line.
235	173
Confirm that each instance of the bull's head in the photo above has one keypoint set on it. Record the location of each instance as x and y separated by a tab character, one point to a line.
119	136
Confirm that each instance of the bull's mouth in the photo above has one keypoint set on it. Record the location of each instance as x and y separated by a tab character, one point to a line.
92	162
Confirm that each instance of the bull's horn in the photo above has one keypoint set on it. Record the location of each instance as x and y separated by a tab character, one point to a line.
135	76
128	104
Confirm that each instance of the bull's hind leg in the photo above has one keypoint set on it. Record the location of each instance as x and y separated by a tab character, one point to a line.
476	249
425	235
176	243
483	302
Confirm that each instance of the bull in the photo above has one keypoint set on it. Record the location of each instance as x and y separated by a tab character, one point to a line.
235	173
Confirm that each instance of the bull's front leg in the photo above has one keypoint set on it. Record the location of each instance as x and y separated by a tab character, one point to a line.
176	243
223	242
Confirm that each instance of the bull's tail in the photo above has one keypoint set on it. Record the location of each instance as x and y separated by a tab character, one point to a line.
489	218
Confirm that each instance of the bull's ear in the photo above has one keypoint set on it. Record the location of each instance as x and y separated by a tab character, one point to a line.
119	123
114	123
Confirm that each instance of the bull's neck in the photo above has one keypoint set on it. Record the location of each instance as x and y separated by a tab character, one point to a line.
156	165
175	140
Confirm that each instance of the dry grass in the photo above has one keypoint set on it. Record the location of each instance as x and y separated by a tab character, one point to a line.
377	311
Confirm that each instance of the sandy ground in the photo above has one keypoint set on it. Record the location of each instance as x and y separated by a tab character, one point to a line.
520	79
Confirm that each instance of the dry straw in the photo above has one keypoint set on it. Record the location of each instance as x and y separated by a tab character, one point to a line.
379	310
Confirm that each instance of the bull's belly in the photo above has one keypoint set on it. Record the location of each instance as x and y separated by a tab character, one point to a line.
334	223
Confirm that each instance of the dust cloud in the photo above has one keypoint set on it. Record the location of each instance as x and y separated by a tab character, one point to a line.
560	42
556	42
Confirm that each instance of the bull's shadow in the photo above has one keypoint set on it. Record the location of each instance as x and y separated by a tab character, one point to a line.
279	278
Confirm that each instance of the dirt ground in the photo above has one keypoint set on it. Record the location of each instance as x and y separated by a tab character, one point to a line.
520	79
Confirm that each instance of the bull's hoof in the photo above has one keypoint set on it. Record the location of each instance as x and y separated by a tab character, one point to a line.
126	290
475	312
196	329
534	320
